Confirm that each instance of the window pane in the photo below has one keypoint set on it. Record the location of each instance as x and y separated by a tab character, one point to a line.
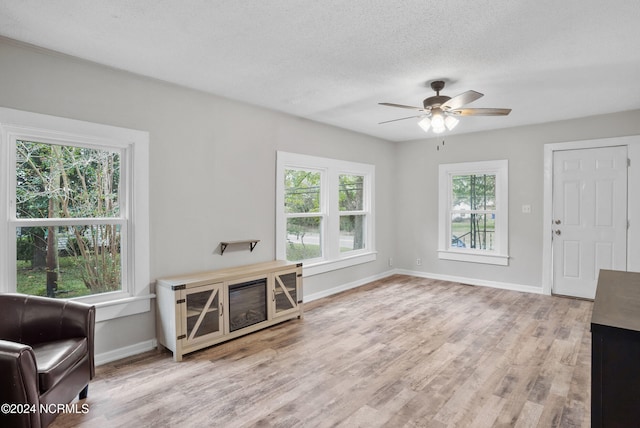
351	192
302	191
68	261
66	182
352	229
474	192
303	238
472	230
461	198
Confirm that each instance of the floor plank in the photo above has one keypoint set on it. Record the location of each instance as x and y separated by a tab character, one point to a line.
399	352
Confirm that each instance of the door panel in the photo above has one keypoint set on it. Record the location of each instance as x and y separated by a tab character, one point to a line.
603	257
571	206
604	203
571	259
589	217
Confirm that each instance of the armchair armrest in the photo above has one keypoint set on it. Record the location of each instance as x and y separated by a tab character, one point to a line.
18	383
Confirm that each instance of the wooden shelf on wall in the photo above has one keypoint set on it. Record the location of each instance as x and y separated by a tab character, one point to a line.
252	244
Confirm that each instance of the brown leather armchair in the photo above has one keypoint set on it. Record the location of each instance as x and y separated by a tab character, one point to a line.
46	356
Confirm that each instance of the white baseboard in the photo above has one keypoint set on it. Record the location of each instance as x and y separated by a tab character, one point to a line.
473	281
429	275
127	351
347	286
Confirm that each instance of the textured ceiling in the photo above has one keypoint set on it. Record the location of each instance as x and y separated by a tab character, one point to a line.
332	61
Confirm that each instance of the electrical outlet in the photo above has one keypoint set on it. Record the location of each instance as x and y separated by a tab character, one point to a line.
390	262
419	261
526	209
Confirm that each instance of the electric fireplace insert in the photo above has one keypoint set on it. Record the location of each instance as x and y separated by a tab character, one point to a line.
247	303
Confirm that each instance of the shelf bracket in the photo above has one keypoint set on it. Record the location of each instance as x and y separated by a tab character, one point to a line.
252	244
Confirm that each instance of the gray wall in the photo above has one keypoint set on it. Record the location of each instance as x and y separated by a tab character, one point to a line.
212	169
417	184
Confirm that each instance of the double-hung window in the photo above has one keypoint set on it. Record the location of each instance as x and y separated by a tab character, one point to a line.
74	210
68	213
473	214
324	212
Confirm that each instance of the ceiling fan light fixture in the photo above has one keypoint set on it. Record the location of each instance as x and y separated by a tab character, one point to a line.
437	122
451	122
425	124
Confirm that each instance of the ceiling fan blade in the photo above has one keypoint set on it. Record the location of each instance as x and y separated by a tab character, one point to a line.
480	112
401	106
402	118
462	99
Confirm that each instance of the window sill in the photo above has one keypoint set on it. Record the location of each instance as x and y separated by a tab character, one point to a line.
123	307
330	265
484	258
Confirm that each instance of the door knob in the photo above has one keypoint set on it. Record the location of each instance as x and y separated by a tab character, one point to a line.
558	232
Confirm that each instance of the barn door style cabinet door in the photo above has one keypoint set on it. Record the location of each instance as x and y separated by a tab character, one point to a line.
203	312
286	290
199	310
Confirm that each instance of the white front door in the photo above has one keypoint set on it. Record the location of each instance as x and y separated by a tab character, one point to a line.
589	217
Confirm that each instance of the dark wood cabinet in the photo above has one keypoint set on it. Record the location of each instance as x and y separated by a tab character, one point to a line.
615	357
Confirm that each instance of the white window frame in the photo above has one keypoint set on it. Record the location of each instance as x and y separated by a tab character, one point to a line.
133	145
330	170
500	253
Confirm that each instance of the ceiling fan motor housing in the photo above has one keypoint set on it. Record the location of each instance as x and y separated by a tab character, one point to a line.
435	101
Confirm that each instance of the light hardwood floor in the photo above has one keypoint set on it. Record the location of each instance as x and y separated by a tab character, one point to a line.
399	352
